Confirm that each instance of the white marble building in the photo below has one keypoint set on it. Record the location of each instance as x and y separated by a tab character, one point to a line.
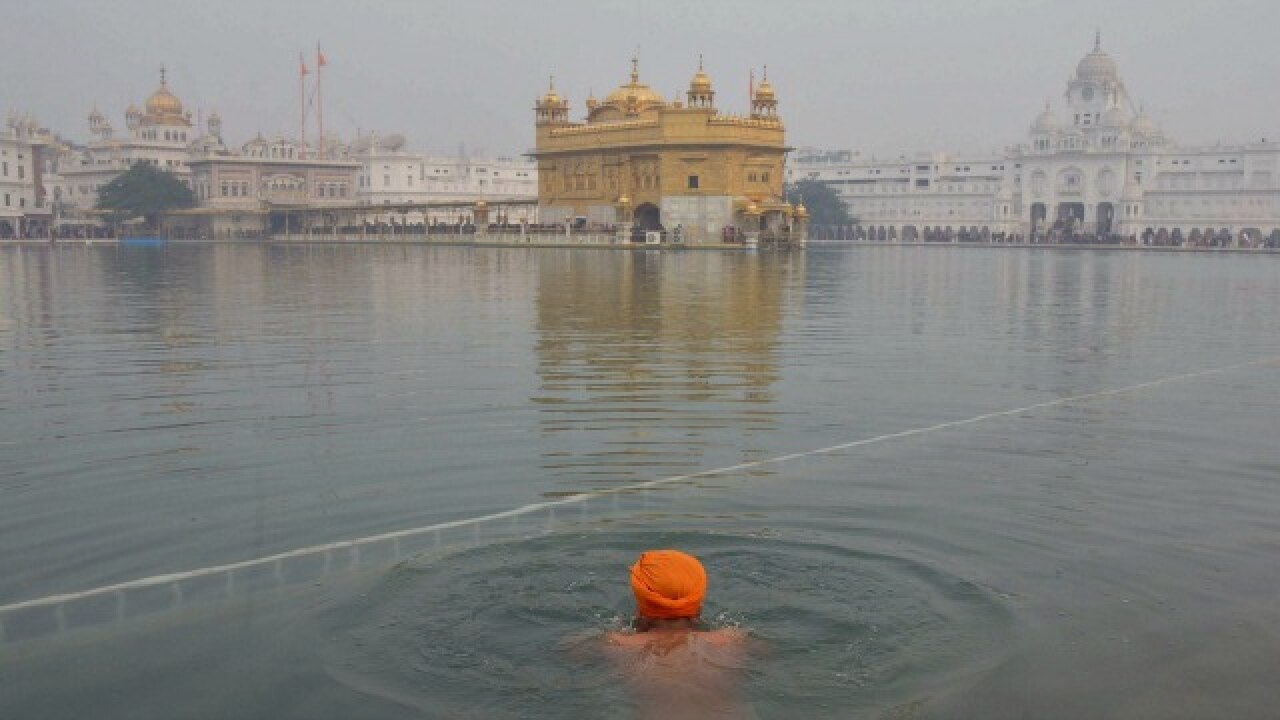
23	210
1103	172
160	133
392	174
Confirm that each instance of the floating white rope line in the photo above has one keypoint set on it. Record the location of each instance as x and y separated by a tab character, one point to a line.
176	577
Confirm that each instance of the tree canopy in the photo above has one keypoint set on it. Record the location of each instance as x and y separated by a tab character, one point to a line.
144	191
825	207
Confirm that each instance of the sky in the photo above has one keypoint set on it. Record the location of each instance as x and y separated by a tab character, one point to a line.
883	77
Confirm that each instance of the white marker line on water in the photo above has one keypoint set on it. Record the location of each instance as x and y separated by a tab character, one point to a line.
355	544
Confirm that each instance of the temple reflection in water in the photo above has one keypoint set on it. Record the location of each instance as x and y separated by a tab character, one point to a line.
648	372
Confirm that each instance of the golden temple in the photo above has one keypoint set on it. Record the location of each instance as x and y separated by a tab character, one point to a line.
640	163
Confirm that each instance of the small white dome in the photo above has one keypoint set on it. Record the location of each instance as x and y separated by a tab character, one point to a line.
1143	125
1097	66
1115	118
1046	122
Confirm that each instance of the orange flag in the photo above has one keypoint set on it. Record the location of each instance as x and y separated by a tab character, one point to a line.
320	58
302	64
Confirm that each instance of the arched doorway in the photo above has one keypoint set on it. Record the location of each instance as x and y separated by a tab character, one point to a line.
1038	214
648	218
1070	217
1106	216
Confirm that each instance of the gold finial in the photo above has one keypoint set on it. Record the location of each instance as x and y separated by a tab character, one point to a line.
635	69
162	71
699	62
551	83
766	73
1097	40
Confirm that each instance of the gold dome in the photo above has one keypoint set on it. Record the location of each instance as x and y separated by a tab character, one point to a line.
551	99
162	102
765	90
701	82
635	94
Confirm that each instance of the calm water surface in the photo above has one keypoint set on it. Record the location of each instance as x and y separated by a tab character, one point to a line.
164	410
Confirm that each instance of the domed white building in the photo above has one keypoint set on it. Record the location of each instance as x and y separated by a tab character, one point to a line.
160	133
1101	171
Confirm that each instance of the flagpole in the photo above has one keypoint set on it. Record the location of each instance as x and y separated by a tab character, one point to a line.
302	100
320	63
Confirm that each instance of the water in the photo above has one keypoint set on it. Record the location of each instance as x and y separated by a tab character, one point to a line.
164	410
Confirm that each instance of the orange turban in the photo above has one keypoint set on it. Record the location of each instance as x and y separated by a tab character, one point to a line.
668	584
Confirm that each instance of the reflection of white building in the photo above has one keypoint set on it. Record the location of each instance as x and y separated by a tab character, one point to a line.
1103	171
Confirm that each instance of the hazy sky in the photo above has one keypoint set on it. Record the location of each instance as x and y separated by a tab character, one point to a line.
883	77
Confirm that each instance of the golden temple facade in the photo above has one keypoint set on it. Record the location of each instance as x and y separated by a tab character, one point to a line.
639	163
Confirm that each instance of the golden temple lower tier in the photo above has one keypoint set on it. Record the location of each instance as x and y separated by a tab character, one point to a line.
640	164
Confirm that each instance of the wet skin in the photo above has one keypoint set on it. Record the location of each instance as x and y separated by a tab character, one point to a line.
676	670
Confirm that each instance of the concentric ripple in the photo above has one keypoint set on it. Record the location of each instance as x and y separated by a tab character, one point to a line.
512	629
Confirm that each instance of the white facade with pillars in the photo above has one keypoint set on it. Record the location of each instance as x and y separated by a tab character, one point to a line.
17	179
1103	171
160	133
391	174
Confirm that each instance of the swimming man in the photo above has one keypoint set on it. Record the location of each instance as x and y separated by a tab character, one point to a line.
674	666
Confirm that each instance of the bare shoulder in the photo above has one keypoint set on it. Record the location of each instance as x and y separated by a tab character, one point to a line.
725	636
617	639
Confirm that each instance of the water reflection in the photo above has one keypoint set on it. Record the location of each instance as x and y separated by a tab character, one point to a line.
656	362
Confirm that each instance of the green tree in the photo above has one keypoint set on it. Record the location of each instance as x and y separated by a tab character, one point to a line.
825	207
144	191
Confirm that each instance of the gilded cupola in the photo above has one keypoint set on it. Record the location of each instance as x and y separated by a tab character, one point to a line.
634	97
163	107
551	109
700	93
764	104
